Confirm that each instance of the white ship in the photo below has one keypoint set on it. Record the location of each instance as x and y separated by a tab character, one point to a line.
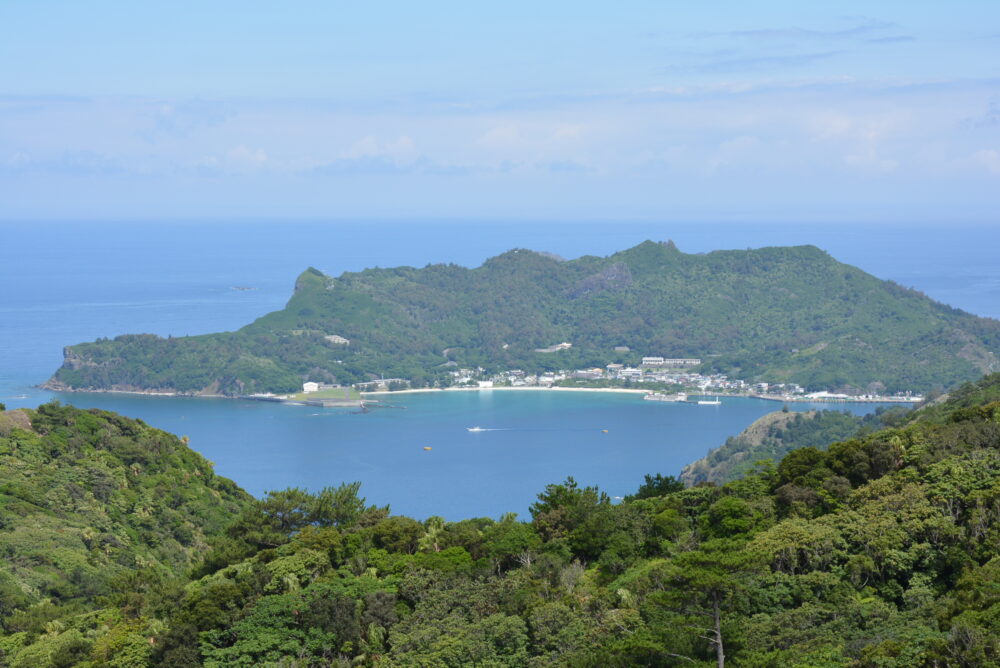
474	429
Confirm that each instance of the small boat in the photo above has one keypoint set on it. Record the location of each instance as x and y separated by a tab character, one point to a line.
427	447
709	402
474	429
604	431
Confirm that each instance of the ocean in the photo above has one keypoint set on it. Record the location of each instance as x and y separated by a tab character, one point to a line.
65	283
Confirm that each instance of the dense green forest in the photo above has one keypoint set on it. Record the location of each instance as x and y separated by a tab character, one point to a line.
880	550
774	435
92	505
776	314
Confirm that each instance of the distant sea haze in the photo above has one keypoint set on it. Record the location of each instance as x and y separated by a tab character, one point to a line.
69	283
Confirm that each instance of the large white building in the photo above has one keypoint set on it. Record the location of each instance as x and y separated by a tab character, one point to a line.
671	361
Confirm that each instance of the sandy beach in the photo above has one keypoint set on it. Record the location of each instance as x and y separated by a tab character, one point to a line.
511	389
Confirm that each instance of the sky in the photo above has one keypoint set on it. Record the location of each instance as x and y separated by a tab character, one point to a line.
555	111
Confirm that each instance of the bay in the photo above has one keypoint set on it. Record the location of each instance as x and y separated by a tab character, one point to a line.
63	283
531	439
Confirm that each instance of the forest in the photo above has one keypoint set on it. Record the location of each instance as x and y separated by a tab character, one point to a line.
122	548
774	435
782	314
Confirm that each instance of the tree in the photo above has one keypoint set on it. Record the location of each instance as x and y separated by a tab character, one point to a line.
705	583
339	507
509	542
562	508
656	485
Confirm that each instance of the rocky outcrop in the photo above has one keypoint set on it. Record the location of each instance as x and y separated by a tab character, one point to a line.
613	278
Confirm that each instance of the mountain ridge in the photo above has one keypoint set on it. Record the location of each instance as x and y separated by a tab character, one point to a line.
780	314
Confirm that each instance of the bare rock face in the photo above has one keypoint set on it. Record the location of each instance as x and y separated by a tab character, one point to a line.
614	278
71	360
10	420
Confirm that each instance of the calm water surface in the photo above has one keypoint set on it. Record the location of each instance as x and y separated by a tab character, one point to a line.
535	438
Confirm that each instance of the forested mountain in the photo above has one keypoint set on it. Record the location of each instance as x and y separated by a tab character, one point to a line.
774	435
777	314
95	507
881	551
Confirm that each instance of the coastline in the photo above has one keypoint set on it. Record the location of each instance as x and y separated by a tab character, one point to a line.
622	390
326	403
426	390
510	389
145	393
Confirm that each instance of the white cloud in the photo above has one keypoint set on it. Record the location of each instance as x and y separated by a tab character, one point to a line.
248	156
868	159
402	148
500	137
569	131
987	158
693	149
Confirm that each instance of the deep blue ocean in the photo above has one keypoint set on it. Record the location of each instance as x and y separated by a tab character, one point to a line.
65	283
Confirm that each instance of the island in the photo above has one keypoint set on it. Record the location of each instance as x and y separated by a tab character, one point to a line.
781	316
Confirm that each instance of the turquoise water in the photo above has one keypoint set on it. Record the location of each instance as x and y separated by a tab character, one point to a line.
62	284
536	438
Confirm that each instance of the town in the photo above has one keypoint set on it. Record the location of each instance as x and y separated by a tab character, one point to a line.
654	375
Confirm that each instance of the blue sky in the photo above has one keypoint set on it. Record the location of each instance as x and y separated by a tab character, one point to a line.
776	111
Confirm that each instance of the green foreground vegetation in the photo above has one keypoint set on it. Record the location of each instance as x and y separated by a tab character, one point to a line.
121	548
772	314
776	434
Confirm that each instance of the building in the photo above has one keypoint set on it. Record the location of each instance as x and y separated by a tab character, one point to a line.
652	361
556	348
826	395
681	361
310	387
485	384
336	339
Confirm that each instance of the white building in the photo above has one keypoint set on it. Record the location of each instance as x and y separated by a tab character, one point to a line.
310	387
681	361
556	348
826	395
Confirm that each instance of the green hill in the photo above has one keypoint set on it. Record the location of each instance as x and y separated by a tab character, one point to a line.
776	434
88	499
777	314
877	551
